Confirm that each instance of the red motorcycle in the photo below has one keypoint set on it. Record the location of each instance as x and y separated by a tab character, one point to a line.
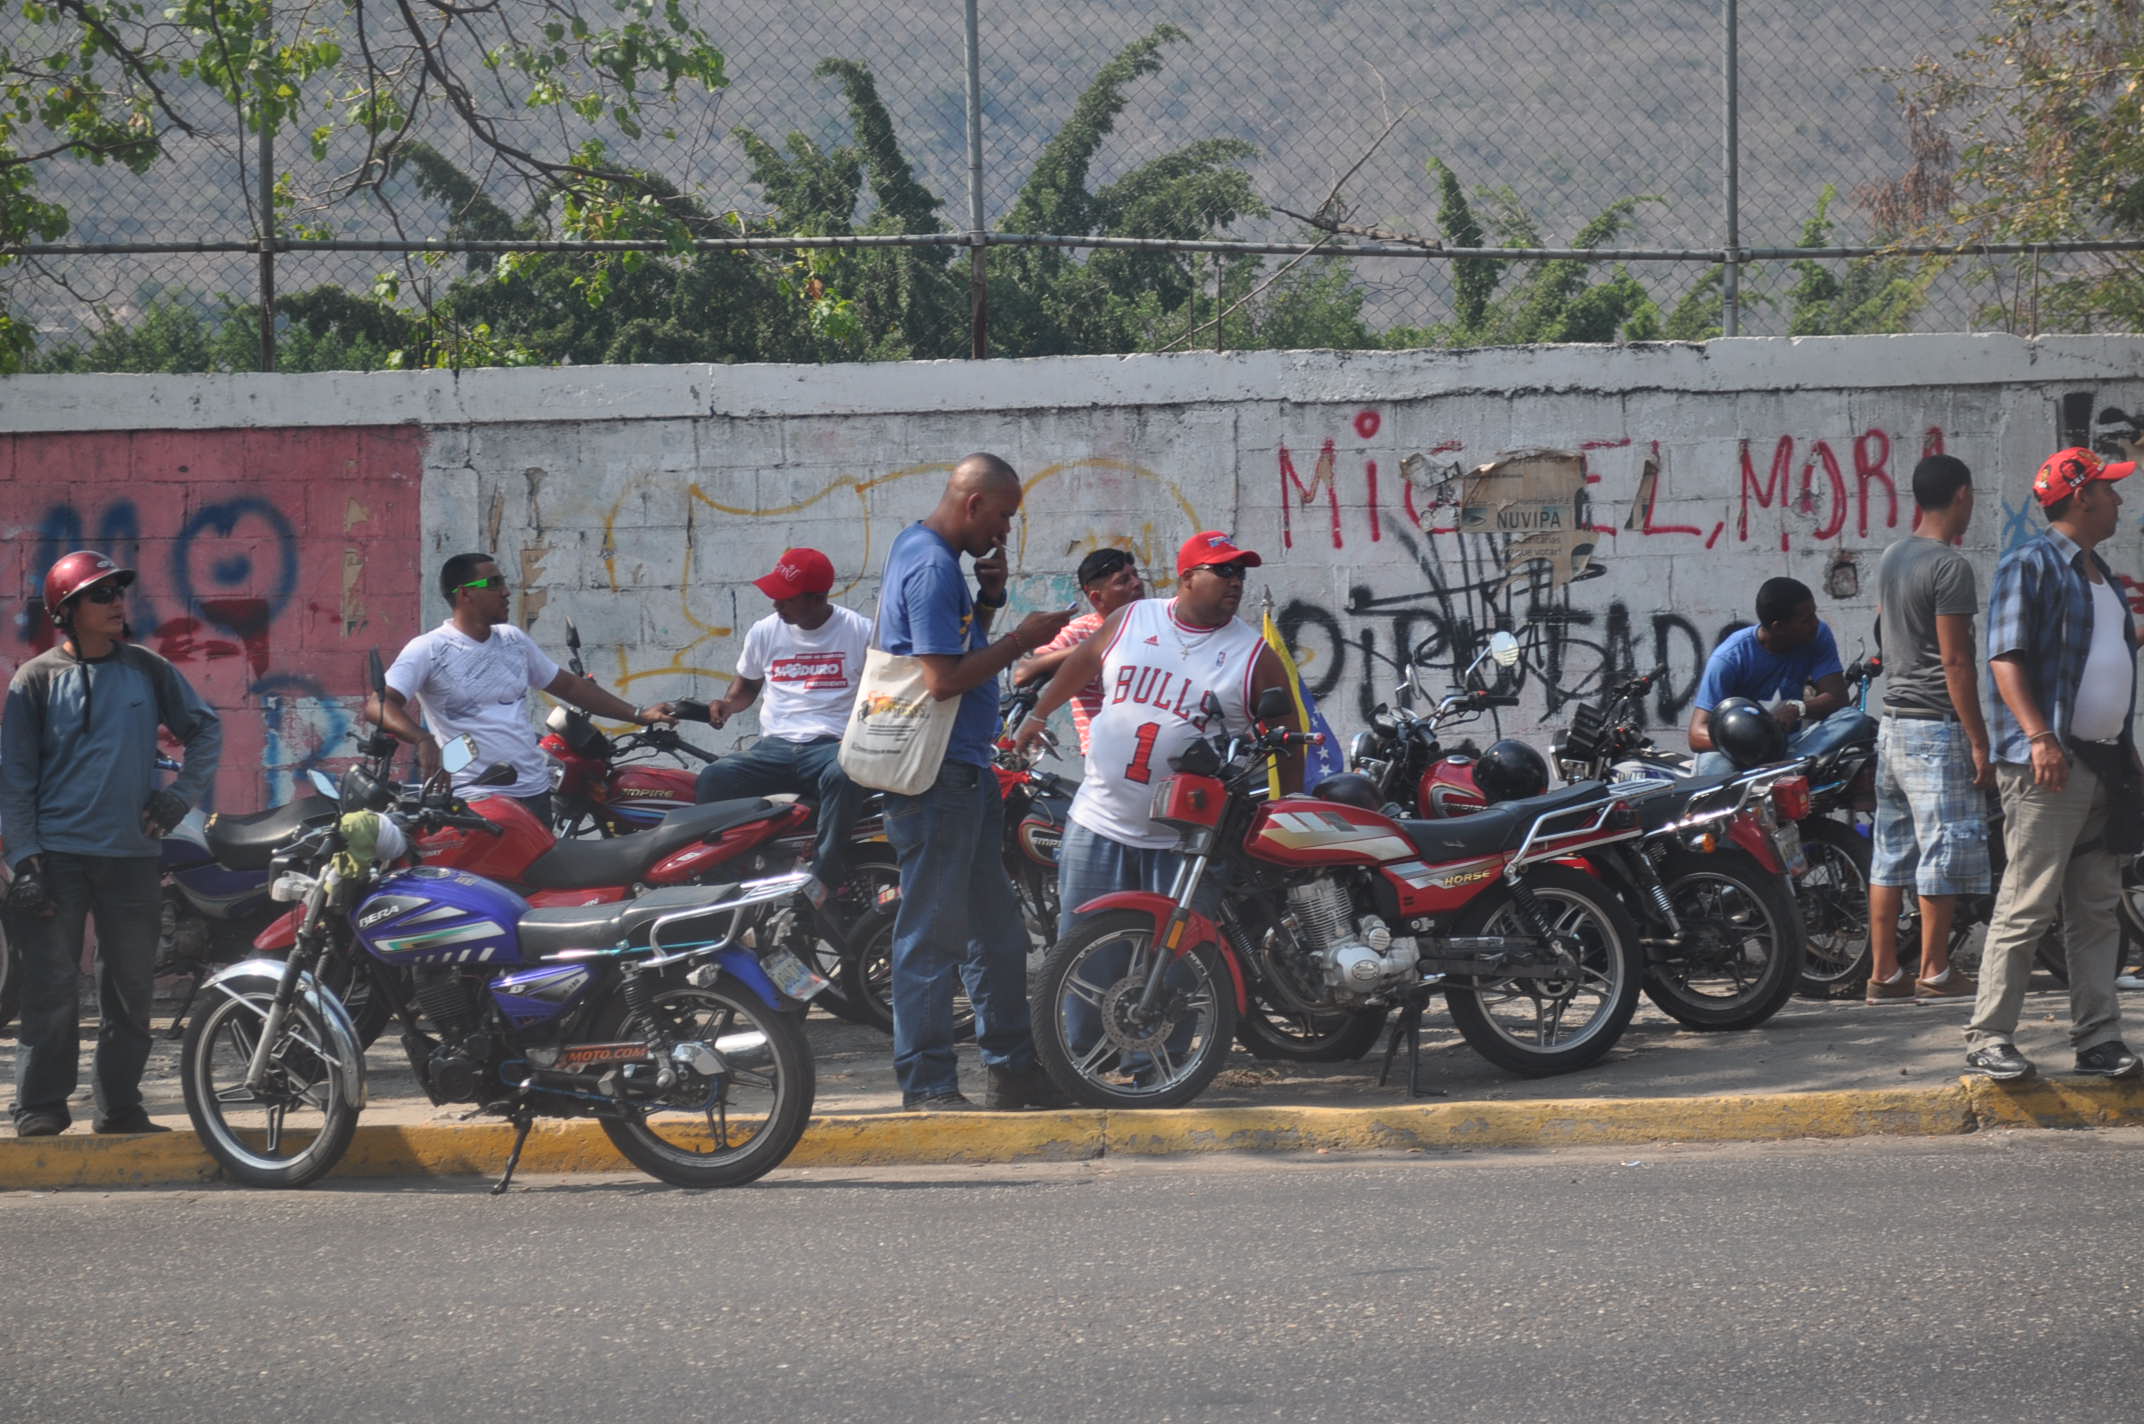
1708	882
1327	907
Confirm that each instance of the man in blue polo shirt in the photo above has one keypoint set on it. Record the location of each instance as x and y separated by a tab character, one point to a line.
959	915
1786	654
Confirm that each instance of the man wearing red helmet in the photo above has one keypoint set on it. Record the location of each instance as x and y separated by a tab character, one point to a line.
808	654
82	814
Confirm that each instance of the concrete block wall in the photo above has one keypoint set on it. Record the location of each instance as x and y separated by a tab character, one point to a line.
284	524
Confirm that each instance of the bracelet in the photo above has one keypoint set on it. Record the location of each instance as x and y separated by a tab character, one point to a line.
2037	735
983	602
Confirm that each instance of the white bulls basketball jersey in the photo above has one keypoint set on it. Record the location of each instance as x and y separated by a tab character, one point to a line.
1154	676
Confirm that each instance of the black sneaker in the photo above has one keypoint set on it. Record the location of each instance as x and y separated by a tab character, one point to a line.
40	1124
1011	1089
133	1120
2000	1061
2111	1059
949	1101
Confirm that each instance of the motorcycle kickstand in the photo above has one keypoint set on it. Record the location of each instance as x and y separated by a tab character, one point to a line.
523	1120
177	1030
1408	1023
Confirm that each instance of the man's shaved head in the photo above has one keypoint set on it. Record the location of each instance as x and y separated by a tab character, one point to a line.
983	474
976	511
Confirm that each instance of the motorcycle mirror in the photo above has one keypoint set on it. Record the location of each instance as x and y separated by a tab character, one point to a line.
1504	648
1274	705
497	774
1210	704
573	636
376	674
324	784
458	755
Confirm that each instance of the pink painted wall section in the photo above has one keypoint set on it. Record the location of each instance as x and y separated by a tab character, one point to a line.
269	561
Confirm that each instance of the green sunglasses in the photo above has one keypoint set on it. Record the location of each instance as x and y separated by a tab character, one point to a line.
497	581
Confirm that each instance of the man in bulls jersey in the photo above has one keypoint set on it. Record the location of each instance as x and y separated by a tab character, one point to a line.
1156	660
808	654
1110	579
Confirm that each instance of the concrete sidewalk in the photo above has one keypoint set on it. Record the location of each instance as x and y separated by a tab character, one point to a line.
1816	1070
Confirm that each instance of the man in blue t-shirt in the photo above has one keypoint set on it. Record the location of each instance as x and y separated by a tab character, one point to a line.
959	916
1788	652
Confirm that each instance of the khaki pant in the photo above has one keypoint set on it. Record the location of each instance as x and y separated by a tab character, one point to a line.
2047	872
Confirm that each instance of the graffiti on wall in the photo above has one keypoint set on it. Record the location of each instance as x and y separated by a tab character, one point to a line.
267	560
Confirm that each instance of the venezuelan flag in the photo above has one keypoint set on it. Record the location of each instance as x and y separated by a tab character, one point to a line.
1318	762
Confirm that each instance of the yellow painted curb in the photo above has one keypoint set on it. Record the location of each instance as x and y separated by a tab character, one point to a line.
915	1139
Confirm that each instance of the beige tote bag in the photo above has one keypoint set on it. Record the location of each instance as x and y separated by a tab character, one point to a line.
897	732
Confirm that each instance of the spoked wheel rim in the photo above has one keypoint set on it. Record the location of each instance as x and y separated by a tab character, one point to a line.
1833	898
286	1120
1108	1040
711	1120
1542	1014
1729	939
877	962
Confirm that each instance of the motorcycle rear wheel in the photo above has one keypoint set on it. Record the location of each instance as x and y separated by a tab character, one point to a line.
1743	951
856	899
1833	901
1519	1024
692	1141
1278	1034
252	1134
1102	1053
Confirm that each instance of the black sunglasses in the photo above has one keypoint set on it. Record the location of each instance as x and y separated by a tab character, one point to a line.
104	593
1234	573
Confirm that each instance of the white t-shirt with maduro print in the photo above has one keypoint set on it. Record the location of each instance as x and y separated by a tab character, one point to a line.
810	673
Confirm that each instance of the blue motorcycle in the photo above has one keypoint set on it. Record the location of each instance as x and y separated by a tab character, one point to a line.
657	1016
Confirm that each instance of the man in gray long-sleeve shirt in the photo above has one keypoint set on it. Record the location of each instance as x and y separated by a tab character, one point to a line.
81	812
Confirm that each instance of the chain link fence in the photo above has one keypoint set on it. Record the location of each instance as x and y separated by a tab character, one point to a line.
1548	114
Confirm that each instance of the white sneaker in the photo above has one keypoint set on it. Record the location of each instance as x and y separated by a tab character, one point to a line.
2129	981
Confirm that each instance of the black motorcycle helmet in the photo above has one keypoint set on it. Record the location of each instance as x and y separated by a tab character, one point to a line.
1511	771
1746	734
1350	788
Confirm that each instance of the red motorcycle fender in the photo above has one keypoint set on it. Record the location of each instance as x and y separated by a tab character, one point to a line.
281	935
1744	831
1198	929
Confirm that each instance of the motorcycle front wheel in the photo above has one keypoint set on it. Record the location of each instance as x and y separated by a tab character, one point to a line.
1742	950
1096	1043
729	1128
297	1124
1540	1027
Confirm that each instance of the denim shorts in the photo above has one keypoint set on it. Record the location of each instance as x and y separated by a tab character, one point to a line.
1931	821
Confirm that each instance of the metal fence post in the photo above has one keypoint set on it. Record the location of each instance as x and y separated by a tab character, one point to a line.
265	164
1731	257
978	278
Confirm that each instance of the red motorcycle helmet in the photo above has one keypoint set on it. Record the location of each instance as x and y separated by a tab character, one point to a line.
76	572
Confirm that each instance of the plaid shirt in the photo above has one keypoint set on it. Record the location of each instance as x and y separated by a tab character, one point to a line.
1087	702
2041	608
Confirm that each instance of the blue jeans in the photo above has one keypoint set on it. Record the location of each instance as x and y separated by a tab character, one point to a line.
958	916
124	894
811	770
1814	740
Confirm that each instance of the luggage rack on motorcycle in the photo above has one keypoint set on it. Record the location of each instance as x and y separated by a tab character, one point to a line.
1617	800
1748	786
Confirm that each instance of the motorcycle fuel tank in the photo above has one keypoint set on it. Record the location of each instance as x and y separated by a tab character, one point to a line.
434	916
1302	830
643	795
503	856
1448	788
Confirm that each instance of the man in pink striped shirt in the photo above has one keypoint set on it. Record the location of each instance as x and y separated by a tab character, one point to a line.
1110	579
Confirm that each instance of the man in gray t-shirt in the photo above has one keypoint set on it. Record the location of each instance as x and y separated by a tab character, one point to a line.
1932	745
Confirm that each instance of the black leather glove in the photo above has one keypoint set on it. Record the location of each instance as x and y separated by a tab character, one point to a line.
690	709
166	809
26	892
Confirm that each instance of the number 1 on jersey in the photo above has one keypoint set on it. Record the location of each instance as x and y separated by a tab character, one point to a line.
1141	769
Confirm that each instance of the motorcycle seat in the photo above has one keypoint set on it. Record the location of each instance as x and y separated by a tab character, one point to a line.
1500	828
250	841
592	863
549	931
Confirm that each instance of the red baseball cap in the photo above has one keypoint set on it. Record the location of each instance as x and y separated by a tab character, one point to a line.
2067	471
798	571
1211	546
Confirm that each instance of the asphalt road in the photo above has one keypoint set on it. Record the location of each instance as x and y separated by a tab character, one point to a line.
1996	1277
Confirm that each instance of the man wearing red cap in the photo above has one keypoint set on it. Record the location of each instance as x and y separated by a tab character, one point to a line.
807	654
83	813
2062	648
1157	659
